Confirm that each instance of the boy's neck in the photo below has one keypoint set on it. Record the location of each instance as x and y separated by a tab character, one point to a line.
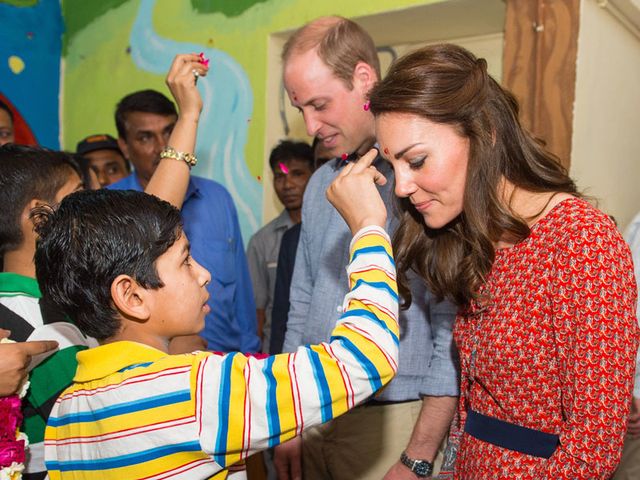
130	333
20	261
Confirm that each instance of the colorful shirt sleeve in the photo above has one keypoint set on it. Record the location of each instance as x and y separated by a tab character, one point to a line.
245	404
597	338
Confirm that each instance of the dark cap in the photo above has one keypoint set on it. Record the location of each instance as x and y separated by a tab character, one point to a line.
97	142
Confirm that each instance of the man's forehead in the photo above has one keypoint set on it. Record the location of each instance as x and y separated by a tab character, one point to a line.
143	121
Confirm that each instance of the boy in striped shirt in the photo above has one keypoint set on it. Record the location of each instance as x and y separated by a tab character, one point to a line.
119	262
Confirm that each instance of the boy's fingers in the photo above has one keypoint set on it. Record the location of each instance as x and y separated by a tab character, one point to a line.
366	160
4	333
37	347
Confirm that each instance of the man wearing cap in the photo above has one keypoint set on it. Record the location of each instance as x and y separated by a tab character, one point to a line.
104	157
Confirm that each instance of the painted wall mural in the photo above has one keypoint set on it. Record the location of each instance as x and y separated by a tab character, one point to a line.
30	53
99	51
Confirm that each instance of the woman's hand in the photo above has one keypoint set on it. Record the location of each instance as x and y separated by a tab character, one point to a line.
182	81
354	194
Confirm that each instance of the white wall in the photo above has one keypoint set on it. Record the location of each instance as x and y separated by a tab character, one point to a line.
605	158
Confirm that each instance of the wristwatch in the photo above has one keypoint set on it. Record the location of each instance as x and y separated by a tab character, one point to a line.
421	468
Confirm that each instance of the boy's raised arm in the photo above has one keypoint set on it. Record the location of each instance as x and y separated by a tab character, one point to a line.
171	179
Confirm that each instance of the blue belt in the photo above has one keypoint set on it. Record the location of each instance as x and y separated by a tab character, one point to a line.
510	436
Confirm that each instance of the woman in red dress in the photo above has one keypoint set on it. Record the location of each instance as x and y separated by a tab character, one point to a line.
546	332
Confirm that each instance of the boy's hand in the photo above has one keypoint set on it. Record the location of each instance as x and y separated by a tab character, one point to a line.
354	194
15	360
182	80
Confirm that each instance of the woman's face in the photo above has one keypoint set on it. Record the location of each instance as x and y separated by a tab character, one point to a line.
430	164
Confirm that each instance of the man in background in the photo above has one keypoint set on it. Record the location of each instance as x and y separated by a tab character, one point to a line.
292	165
104	158
144	121
6	124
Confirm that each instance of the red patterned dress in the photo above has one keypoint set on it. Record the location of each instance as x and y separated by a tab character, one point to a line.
554	347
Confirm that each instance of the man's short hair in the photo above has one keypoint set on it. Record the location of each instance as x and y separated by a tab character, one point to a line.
5	107
90	239
288	150
27	173
148	101
341	44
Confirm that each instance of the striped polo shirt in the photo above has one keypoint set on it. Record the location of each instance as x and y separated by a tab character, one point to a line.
136	412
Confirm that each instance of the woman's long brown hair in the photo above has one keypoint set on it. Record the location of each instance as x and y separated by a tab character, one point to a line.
446	84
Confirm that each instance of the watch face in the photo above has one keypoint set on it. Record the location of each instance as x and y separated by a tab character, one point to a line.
422	469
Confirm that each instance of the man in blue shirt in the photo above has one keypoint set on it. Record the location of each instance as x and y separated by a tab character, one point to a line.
144	121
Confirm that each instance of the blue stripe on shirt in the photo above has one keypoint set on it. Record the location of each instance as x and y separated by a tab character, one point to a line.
365	363
273	416
124	460
360	312
377	285
322	385
121	408
223	409
373	249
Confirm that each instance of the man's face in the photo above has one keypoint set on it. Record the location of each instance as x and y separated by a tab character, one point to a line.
289	181
332	112
180	306
6	128
108	165
147	135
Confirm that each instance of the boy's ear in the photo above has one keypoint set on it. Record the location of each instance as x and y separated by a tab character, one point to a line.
130	298
27	221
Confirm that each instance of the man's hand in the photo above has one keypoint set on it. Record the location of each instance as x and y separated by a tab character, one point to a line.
400	472
633	423
15	361
287	459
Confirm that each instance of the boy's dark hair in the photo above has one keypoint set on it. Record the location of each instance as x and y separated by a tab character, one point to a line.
148	101
287	150
27	173
5	107
90	239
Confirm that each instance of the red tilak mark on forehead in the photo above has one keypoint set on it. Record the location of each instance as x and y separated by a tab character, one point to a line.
344	156
386	151
283	168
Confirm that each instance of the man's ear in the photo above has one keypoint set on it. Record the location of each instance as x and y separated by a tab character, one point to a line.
130	299
124	148
364	77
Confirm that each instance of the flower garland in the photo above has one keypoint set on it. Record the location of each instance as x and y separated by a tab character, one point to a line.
13	443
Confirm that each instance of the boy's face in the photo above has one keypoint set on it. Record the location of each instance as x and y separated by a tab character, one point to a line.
180	306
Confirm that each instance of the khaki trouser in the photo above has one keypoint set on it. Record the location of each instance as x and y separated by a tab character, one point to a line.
629	468
362	444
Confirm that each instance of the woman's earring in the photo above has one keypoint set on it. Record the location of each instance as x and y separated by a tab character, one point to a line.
366	106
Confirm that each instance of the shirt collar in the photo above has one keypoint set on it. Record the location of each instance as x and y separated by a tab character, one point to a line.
340	162
102	361
15	284
283	221
192	189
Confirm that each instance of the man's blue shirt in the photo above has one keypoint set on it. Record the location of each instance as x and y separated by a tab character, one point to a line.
211	224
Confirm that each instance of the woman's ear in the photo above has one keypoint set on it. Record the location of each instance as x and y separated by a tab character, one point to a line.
130	299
